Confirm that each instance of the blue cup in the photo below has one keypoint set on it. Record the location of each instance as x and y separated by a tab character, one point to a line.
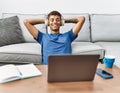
109	61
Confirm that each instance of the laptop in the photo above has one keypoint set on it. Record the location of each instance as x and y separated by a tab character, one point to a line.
65	68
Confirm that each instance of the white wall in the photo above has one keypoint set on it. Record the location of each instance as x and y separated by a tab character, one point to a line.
64	6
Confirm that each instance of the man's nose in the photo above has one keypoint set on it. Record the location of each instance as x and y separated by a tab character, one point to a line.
54	21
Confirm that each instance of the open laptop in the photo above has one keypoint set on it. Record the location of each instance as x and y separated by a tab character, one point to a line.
62	68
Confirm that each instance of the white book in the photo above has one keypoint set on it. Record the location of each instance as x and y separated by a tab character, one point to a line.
13	72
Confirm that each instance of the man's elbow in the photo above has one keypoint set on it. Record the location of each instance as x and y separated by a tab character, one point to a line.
82	19
25	21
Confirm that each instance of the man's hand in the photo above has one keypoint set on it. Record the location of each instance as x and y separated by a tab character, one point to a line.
71	20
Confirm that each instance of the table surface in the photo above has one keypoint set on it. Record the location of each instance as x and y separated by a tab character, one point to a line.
40	85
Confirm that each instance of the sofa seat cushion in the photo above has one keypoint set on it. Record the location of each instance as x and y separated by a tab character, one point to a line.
112	48
87	48
21	53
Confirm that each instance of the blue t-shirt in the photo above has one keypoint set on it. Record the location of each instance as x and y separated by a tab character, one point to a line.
55	44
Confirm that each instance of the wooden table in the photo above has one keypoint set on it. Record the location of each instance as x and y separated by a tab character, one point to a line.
40	84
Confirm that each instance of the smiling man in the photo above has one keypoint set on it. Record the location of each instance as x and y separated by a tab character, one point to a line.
55	42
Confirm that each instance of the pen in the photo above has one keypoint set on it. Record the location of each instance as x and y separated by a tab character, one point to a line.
20	73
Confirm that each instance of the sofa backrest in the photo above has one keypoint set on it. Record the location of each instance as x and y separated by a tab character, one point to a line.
84	34
27	36
105	27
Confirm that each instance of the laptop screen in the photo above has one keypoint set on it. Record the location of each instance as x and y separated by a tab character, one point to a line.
63	68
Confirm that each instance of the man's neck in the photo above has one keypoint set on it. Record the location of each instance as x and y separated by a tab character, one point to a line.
55	32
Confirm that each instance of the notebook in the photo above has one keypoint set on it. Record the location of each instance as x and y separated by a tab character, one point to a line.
11	72
65	68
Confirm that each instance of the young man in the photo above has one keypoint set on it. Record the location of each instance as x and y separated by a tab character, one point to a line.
55	42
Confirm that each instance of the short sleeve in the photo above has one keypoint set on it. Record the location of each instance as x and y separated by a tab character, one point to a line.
39	38
71	35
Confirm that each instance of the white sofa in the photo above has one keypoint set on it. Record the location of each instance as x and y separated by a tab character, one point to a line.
96	37
105	32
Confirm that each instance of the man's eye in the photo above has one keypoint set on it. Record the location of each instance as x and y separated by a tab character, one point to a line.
51	20
58	20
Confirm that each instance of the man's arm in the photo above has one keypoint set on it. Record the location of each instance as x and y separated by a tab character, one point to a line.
79	23
29	23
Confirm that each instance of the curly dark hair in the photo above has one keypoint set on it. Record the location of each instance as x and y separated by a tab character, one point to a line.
54	13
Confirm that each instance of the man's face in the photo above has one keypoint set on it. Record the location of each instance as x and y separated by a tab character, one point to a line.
54	22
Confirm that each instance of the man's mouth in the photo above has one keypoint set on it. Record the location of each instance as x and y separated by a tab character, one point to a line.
55	26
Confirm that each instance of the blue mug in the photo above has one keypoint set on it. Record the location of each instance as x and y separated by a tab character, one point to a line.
109	61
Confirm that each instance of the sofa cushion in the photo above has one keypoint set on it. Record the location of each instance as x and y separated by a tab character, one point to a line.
27	36
87	48
21	53
10	31
111	48
105	27
84	34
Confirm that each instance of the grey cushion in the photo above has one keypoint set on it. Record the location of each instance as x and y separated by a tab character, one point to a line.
105	27
10	31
